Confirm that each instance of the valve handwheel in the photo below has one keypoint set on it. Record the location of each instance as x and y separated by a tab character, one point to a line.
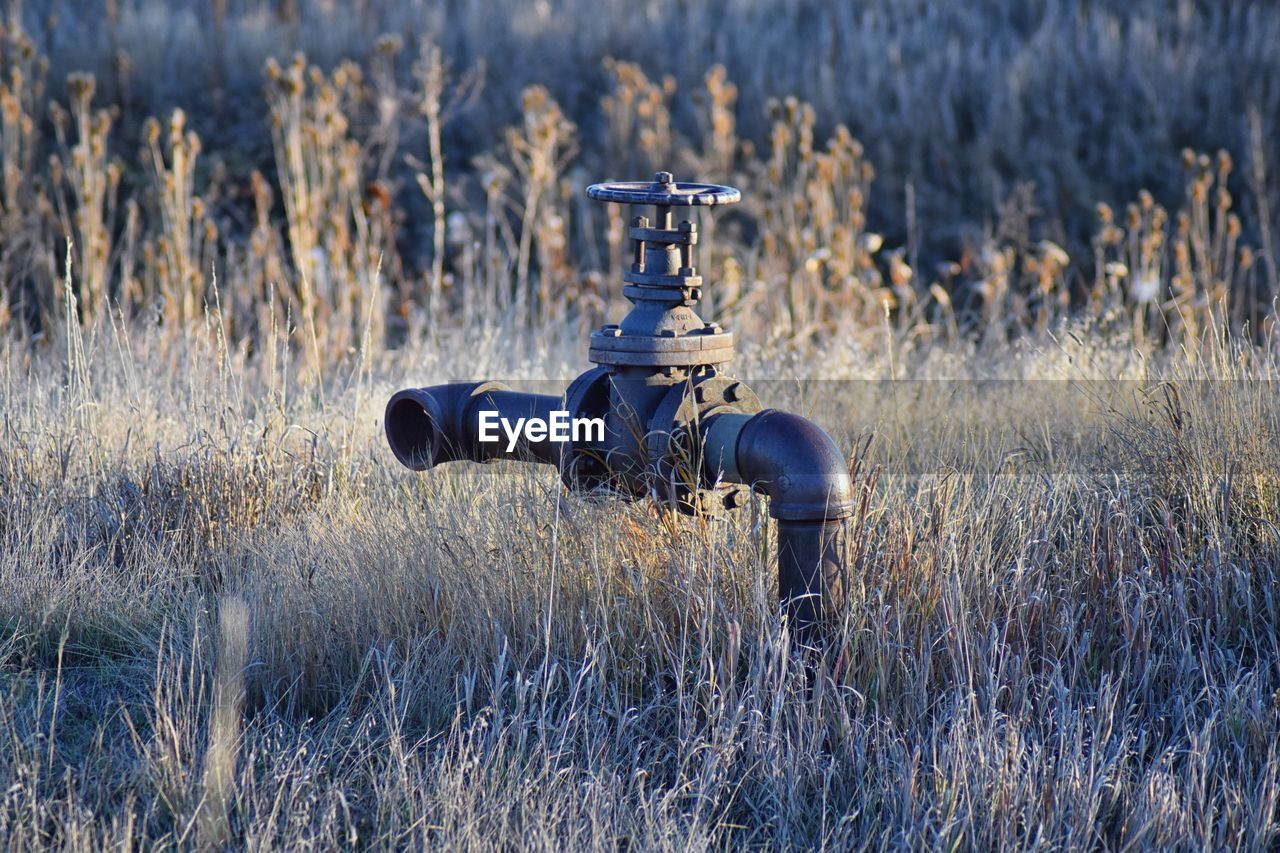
664	191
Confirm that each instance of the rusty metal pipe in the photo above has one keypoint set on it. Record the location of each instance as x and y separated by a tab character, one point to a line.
794	462
673	426
811	573
428	426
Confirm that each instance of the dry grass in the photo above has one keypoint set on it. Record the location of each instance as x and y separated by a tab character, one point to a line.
1062	633
364	202
228	618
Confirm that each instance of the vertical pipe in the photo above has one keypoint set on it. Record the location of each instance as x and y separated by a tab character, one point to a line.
810	573
799	467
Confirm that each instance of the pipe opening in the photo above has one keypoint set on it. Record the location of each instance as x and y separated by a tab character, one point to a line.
412	434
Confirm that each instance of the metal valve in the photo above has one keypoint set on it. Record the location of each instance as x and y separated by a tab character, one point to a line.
664	192
675	428
662	331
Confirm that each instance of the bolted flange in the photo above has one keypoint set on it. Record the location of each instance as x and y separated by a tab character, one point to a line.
676	444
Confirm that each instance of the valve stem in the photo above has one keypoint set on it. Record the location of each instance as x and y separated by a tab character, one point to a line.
637	262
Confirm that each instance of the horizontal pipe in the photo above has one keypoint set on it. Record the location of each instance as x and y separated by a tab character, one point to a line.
721	449
512	406
429	426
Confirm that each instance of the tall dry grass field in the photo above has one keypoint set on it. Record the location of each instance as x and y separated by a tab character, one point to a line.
1019	262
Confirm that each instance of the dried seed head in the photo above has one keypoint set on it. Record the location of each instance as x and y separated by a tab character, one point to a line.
389	44
1145	286
58	116
81	86
177	122
9	107
1105	215
1224	164
1133	216
899	272
1053	253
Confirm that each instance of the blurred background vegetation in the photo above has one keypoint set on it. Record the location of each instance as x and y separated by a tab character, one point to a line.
359	171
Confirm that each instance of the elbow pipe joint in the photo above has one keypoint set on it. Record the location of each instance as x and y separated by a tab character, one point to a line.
793	461
428	426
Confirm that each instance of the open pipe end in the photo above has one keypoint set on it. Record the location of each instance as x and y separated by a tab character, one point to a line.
414	425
